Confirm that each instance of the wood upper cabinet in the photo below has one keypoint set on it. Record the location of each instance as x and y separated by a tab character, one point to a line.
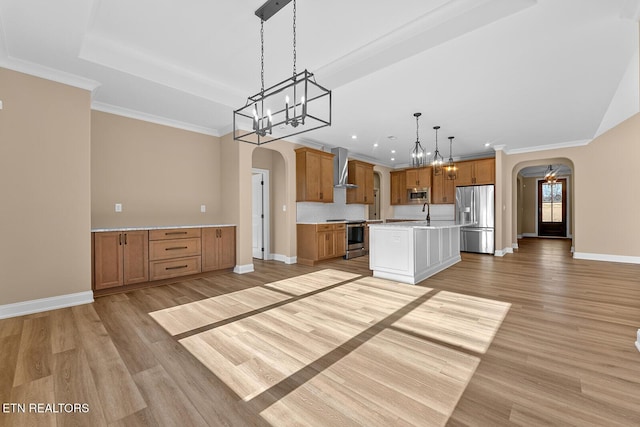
476	172
418	177
120	258
314	176
360	174
218	248
398	188
443	190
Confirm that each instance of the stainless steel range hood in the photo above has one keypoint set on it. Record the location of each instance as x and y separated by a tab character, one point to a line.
341	169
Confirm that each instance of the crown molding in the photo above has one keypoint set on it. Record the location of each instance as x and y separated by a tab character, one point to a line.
138	115
568	144
48	73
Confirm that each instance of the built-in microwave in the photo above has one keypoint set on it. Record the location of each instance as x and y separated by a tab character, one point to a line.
419	195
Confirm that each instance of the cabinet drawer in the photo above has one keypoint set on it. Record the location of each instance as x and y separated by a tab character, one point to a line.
174	233
173	248
324	227
174	268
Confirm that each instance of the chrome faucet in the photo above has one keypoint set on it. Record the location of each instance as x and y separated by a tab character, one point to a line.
428	212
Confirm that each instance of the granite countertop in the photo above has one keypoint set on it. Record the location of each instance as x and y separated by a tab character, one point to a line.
434	224
158	227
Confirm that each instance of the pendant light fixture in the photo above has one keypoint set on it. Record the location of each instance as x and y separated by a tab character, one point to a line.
451	169
418	156
550	176
438	160
295	105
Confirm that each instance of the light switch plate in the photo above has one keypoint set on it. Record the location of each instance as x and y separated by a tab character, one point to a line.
118	207
203	208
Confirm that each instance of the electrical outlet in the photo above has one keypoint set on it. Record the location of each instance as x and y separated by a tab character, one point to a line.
118	207
284	208
203	208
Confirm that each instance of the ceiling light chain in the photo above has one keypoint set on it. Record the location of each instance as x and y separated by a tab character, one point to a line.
294	40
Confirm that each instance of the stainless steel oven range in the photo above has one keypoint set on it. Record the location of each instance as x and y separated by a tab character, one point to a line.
354	236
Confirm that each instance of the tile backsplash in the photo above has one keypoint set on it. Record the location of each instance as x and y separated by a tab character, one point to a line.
339	209
438	212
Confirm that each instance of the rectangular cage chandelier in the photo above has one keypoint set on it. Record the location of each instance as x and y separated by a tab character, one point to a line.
296	105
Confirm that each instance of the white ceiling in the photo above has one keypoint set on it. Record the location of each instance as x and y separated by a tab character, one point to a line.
520	75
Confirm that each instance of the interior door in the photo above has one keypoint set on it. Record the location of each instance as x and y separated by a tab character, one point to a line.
257	215
552	208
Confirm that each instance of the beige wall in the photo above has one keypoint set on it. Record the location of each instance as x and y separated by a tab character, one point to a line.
161	175
265	158
604	206
529	214
45	178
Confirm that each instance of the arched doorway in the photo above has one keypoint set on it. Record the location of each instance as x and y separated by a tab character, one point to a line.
544	208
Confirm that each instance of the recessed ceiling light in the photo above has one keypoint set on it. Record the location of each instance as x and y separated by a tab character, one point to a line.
354	136
393	151
429	153
393	159
375	145
391	137
487	144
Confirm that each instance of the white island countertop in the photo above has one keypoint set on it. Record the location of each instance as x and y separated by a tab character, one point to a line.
433	224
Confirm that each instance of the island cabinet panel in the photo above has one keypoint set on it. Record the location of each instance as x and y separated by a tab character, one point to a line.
443	190
120	258
418	177
218	248
476	172
317	242
314	176
360	174
398	188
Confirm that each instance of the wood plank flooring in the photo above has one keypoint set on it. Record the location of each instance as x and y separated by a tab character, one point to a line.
532	338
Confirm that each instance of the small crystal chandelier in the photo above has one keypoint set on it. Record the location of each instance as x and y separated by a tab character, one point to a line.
418	157
295	105
438	160
452	170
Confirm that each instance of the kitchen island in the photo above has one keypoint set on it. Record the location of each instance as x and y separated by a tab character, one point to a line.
410	252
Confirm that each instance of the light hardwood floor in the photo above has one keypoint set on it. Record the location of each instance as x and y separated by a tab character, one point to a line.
532	338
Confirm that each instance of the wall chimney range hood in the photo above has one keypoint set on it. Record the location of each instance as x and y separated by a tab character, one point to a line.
340	168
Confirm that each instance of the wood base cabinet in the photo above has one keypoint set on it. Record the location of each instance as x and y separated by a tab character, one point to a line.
120	258
218	248
317	242
123	258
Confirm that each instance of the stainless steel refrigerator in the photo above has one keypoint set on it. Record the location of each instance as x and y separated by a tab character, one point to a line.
476	204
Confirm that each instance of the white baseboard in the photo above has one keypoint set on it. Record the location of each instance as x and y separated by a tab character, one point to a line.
285	259
514	246
242	269
529	235
45	304
503	252
638	345
606	257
